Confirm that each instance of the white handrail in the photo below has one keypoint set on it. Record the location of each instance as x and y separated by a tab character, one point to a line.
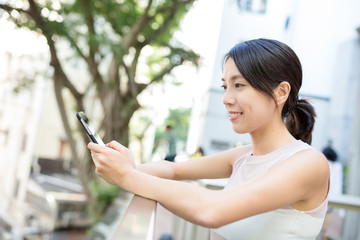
138	221
345	201
145	219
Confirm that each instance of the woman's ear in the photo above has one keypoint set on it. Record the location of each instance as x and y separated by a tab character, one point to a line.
282	92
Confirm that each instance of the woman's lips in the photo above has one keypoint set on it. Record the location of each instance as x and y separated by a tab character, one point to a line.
234	115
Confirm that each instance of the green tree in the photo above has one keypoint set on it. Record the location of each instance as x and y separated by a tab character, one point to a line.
109	38
179	119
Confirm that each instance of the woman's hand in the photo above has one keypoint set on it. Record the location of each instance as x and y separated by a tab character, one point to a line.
112	162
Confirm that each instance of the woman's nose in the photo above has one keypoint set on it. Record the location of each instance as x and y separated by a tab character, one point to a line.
228	99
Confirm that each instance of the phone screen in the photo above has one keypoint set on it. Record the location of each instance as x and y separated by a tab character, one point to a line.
81	116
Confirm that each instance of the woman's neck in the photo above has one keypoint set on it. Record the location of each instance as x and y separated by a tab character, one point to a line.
270	138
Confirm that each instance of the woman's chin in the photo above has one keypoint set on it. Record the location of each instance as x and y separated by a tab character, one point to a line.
239	130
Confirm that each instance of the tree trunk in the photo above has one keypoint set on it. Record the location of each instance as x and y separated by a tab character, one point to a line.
118	112
83	177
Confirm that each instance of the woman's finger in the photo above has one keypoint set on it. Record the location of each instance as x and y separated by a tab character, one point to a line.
95	147
116	145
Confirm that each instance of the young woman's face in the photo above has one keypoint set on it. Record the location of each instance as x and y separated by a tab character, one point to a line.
249	109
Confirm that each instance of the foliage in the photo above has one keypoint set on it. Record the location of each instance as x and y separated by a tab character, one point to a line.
179	120
111	39
104	194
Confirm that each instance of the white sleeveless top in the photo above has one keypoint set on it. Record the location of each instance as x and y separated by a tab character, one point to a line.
284	223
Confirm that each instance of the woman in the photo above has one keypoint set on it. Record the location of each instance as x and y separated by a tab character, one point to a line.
278	185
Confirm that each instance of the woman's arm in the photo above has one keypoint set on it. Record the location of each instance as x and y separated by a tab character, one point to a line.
212	166
162	169
301	180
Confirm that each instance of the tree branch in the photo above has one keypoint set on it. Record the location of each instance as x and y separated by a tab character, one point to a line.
131	36
35	14
77	48
158	77
89	20
131	72
59	98
8	8
114	76
166	24
91	63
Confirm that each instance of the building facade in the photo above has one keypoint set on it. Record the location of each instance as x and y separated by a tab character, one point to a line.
325	36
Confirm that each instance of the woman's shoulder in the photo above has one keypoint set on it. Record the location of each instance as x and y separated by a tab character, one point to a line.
237	152
310	155
309	161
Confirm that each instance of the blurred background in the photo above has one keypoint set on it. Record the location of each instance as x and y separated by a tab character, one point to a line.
135	67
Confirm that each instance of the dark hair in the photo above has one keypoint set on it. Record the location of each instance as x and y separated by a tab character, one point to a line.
265	63
329	152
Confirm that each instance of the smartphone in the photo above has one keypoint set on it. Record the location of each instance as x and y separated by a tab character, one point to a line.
81	116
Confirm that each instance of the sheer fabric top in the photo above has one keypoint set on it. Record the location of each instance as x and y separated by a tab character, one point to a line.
283	223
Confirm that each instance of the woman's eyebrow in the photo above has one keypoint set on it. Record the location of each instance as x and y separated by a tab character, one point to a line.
233	78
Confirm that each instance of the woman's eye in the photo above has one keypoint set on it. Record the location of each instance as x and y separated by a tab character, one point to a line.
224	87
238	85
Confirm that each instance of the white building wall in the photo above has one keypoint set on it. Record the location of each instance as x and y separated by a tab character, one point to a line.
206	31
19	122
327	43
51	129
315	30
20	115
236	26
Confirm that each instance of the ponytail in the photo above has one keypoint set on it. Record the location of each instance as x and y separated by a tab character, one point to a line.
300	120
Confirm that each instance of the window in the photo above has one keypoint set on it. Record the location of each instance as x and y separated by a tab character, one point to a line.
253	6
219	145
